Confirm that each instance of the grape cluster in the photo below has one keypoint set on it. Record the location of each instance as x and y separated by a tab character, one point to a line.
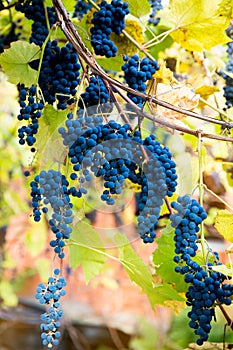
136	73
81	8
52	188
30	112
50	294
59	74
156	5
207	288
114	153
228	88
96	93
110	18
35	11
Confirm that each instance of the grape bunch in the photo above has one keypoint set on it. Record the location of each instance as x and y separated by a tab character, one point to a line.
50	295
207	288
51	188
30	111
156	5
96	93
136	73
35	11
114	153
81	8
110	18
59	74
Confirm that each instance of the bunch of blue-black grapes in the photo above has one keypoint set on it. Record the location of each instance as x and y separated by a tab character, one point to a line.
81	8
110	18
207	288
49	190
50	195
136	73
49	295
228	88
156	5
58	76
114	153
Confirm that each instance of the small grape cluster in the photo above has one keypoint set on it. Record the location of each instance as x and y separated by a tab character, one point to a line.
59	74
35	11
30	111
136	73
113	152
52	188
81	8
96	93
50	294
228	88
207	287
110	18
156	5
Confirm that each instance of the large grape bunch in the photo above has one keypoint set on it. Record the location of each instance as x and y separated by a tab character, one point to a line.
114	153
110	18
207	288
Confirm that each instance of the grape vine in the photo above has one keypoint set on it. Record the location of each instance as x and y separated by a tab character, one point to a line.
74	95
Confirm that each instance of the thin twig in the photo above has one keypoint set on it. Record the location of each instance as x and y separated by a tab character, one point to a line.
227	317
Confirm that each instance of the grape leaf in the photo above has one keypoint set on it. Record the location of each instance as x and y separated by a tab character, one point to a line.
49	123
163	260
139	273
139	8
224	224
199	26
15	62
87	250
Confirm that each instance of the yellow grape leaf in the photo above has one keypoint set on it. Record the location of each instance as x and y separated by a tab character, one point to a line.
163	75
201	24
206	90
224	224
175	305
180	96
124	45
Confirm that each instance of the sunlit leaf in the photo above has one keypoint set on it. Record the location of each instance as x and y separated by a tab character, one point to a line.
224	224
87	250
15	62
139	8
200	25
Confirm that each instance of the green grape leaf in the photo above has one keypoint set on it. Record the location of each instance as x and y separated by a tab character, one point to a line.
200	26
224	224
139	273
113	63
163	260
139	8
48	125
15	62
87	250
